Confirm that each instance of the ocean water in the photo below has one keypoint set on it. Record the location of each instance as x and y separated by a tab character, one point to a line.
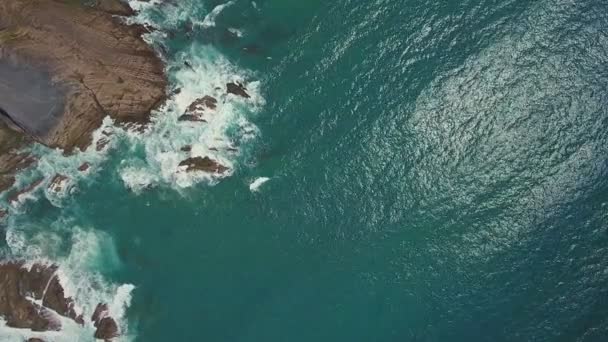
405	171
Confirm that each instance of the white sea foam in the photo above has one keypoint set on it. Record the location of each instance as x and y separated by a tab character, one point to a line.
256	184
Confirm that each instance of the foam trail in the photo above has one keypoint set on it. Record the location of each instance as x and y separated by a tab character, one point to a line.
256	184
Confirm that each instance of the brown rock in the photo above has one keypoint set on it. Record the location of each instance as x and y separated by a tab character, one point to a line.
237	89
101	144
34	339
191	117
84	167
101	311
115	7
198	108
205	164
6	182
202	103
107	329
39	282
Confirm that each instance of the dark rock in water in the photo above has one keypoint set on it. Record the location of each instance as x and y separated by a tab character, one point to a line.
101	311
3	213
191	117
198	108
186	148
84	167
33	339
202	103
101	144
237	89
28	189
106	329
205	164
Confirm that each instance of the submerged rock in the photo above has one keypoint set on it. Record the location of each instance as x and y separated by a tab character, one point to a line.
237	89
205	164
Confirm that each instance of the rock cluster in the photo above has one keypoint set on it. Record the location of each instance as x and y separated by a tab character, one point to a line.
33	298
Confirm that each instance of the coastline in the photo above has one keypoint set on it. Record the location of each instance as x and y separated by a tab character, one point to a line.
97	66
65	67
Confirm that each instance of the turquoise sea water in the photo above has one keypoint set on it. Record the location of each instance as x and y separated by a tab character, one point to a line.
437	173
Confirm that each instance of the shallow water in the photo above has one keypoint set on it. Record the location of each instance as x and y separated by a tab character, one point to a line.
437	171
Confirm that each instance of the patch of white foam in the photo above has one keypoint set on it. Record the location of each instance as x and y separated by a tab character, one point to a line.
256	184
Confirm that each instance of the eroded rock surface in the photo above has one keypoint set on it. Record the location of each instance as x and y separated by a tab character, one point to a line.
102	65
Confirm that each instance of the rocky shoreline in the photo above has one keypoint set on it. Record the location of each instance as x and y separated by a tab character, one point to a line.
32	297
93	64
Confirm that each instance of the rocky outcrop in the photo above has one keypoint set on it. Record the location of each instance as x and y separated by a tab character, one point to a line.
106	325
33	298
198	108
103	65
86	63
237	89
204	164
40	283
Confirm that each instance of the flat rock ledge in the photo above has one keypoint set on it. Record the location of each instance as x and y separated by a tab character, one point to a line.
33	298
87	64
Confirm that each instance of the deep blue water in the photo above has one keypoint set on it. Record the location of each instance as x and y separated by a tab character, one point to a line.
438	173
